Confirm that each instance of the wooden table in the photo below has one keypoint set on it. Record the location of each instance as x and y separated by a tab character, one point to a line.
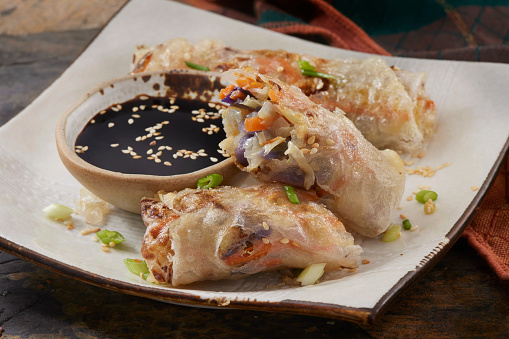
459	297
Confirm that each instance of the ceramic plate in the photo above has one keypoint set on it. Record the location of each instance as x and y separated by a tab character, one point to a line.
472	136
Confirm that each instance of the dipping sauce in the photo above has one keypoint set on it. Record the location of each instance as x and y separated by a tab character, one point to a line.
154	135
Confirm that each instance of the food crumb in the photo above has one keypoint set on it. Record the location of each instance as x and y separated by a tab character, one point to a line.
410	198
365	261
474	188
403	217
89	230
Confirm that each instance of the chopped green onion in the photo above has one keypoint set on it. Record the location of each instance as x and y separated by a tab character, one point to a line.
304	65
425	195
307	69
311	274
317	74
137	266
210	181
196	66
110	237
58	212
392	233
406	224
290	193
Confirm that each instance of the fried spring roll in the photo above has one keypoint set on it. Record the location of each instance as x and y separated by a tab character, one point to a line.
276	133
229	233
390	106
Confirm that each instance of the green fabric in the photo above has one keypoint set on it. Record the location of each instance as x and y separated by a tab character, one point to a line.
397	16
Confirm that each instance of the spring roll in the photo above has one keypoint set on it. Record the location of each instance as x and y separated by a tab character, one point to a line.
229	233
390	106
278	134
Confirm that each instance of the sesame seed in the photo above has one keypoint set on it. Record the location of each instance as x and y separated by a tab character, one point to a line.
119	107
114	145
157	160
159	153
166	122
315	145
153	143
410	198
168	148
102	112
313	151
150	151
130	121
167	163
142	107
330	142
305	150
265	240
159	137
135	109
105	249
265	225
138	138
110	125
114	109
111	244
311	140
200	120
89	230
137	157
403	217
95	239
129	148
175	156
92	121
213	159
365	261
174	107
284	241
133	153
280	69
160	148
126	151
474	188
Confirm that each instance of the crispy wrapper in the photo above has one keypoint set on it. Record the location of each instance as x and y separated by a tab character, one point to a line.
229	233
390	106
278	134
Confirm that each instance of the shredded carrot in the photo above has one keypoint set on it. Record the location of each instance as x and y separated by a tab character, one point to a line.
255	84
258	250
254	124
272	95
234	95
242	82
225	91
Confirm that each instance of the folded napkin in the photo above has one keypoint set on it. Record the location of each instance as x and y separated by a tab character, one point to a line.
424	29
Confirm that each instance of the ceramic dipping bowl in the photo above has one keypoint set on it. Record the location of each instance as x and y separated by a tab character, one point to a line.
158	150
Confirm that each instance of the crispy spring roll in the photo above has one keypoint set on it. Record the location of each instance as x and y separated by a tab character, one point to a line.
230	232
277	134
390	106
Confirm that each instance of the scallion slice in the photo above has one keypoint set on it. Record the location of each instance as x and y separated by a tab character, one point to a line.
311	274
425	195
210	181
290	193
406	224
196	66
107	237
309	70
137	266
58	212
392	233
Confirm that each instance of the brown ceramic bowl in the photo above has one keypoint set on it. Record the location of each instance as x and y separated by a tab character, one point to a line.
126	190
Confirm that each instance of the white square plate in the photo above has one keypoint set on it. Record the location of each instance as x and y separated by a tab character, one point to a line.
472	135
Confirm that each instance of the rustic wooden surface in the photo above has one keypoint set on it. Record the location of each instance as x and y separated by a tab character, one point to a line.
459	297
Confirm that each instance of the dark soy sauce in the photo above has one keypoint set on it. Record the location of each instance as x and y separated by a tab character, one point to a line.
153	135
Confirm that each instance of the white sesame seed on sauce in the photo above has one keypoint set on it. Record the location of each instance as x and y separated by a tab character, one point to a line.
130	121
126	151
265	225
168	148
157	160
119	107
284	241
167	163
138	139
135	109
137	157
129	148
160	137
175	156
166	122
161	148
213	159
115	109
159	153
92	121
280	69
102	112
150	151
330	142
315	145
142	107
174	107
313	151
311	140
136	116
212	105
115	145
265	240
474	188
111	124
144	97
